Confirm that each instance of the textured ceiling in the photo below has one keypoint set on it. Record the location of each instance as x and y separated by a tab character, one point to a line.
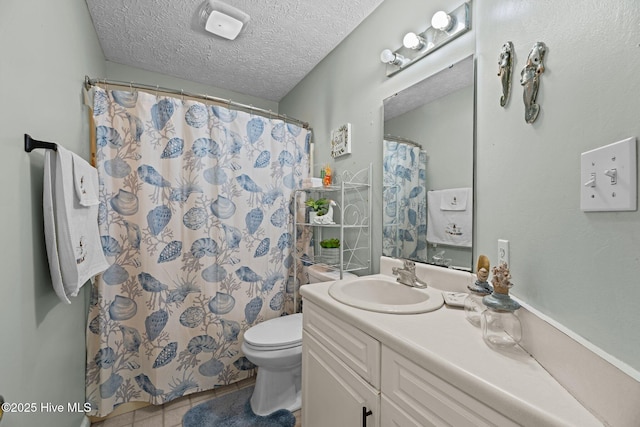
280	45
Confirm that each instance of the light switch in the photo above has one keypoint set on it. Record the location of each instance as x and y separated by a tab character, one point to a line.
608	177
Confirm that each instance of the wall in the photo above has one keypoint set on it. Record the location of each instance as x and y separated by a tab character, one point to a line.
580	269
125	73
46	50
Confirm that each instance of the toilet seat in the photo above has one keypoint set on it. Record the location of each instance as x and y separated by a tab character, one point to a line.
276	334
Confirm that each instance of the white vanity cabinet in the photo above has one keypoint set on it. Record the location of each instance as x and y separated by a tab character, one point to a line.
346	373
340	372
429	369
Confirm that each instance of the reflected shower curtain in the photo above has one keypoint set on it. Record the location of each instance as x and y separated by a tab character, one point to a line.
404	217
195	221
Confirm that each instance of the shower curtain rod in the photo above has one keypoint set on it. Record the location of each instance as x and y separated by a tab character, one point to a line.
88	82
401	139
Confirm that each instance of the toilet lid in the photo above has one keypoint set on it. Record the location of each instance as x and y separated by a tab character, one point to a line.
281	332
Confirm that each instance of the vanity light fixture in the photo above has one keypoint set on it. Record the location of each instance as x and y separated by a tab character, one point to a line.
392	58
222	19
444	28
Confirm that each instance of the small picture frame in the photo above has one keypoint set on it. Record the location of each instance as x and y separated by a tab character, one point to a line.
341	141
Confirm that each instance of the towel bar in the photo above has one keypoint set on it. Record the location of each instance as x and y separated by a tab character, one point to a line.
31	144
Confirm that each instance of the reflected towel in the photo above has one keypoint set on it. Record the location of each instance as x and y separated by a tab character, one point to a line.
450	225
454	199
70	207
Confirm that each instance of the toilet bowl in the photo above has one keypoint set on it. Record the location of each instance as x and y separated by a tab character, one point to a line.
275	347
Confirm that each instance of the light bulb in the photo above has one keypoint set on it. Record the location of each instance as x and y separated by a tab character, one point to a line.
413	41
441	21
388	57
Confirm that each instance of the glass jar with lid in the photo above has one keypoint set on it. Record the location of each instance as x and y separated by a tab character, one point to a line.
501	328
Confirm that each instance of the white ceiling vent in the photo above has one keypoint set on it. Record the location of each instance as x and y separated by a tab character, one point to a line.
222	19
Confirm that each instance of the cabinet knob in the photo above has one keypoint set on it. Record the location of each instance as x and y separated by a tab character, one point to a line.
365	414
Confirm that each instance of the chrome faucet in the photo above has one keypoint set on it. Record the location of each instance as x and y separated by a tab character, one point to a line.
407	275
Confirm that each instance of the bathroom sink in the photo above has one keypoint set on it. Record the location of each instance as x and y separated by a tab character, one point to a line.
382	293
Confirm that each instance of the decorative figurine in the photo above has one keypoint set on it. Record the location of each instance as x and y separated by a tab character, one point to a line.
505	68
473	306
326	218
482	272
530	79
502	280
326	175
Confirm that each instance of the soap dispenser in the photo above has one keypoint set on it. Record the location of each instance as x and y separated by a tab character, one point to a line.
501	328
473	306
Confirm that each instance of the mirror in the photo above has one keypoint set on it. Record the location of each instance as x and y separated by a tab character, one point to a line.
428	162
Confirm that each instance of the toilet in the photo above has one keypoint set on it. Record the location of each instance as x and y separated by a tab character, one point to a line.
275	347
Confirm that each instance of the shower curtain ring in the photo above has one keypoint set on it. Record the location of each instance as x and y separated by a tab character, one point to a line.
182	93
157	89
229	104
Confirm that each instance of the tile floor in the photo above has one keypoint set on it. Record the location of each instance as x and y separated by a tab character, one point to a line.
170	414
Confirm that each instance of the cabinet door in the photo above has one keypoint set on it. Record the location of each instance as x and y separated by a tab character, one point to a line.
393	416
332	394
431	401
359	351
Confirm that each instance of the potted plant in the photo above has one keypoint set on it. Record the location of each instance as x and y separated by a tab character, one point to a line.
331	250
330	243
317	207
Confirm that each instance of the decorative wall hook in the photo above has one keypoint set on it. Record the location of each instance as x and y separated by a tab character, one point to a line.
505	69
530	80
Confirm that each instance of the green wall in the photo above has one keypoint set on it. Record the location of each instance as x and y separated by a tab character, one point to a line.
119	72
580	269
46	48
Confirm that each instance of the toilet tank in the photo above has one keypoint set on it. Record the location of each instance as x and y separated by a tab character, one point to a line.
323	273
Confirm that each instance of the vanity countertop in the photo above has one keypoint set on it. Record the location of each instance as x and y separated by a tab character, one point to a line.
445	343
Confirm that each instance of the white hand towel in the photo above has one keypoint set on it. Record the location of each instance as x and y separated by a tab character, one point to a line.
70	207
450	226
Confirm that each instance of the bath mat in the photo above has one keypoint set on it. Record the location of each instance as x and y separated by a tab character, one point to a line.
234	410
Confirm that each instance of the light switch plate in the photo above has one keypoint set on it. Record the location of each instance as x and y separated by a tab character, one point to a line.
607	193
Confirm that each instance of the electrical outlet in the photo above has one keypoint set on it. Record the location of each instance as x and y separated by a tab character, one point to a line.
503	252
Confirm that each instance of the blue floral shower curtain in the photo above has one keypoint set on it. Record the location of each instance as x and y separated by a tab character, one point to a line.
195	219
404	217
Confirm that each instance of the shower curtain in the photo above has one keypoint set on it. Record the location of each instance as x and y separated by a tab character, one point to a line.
404	217
195	220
